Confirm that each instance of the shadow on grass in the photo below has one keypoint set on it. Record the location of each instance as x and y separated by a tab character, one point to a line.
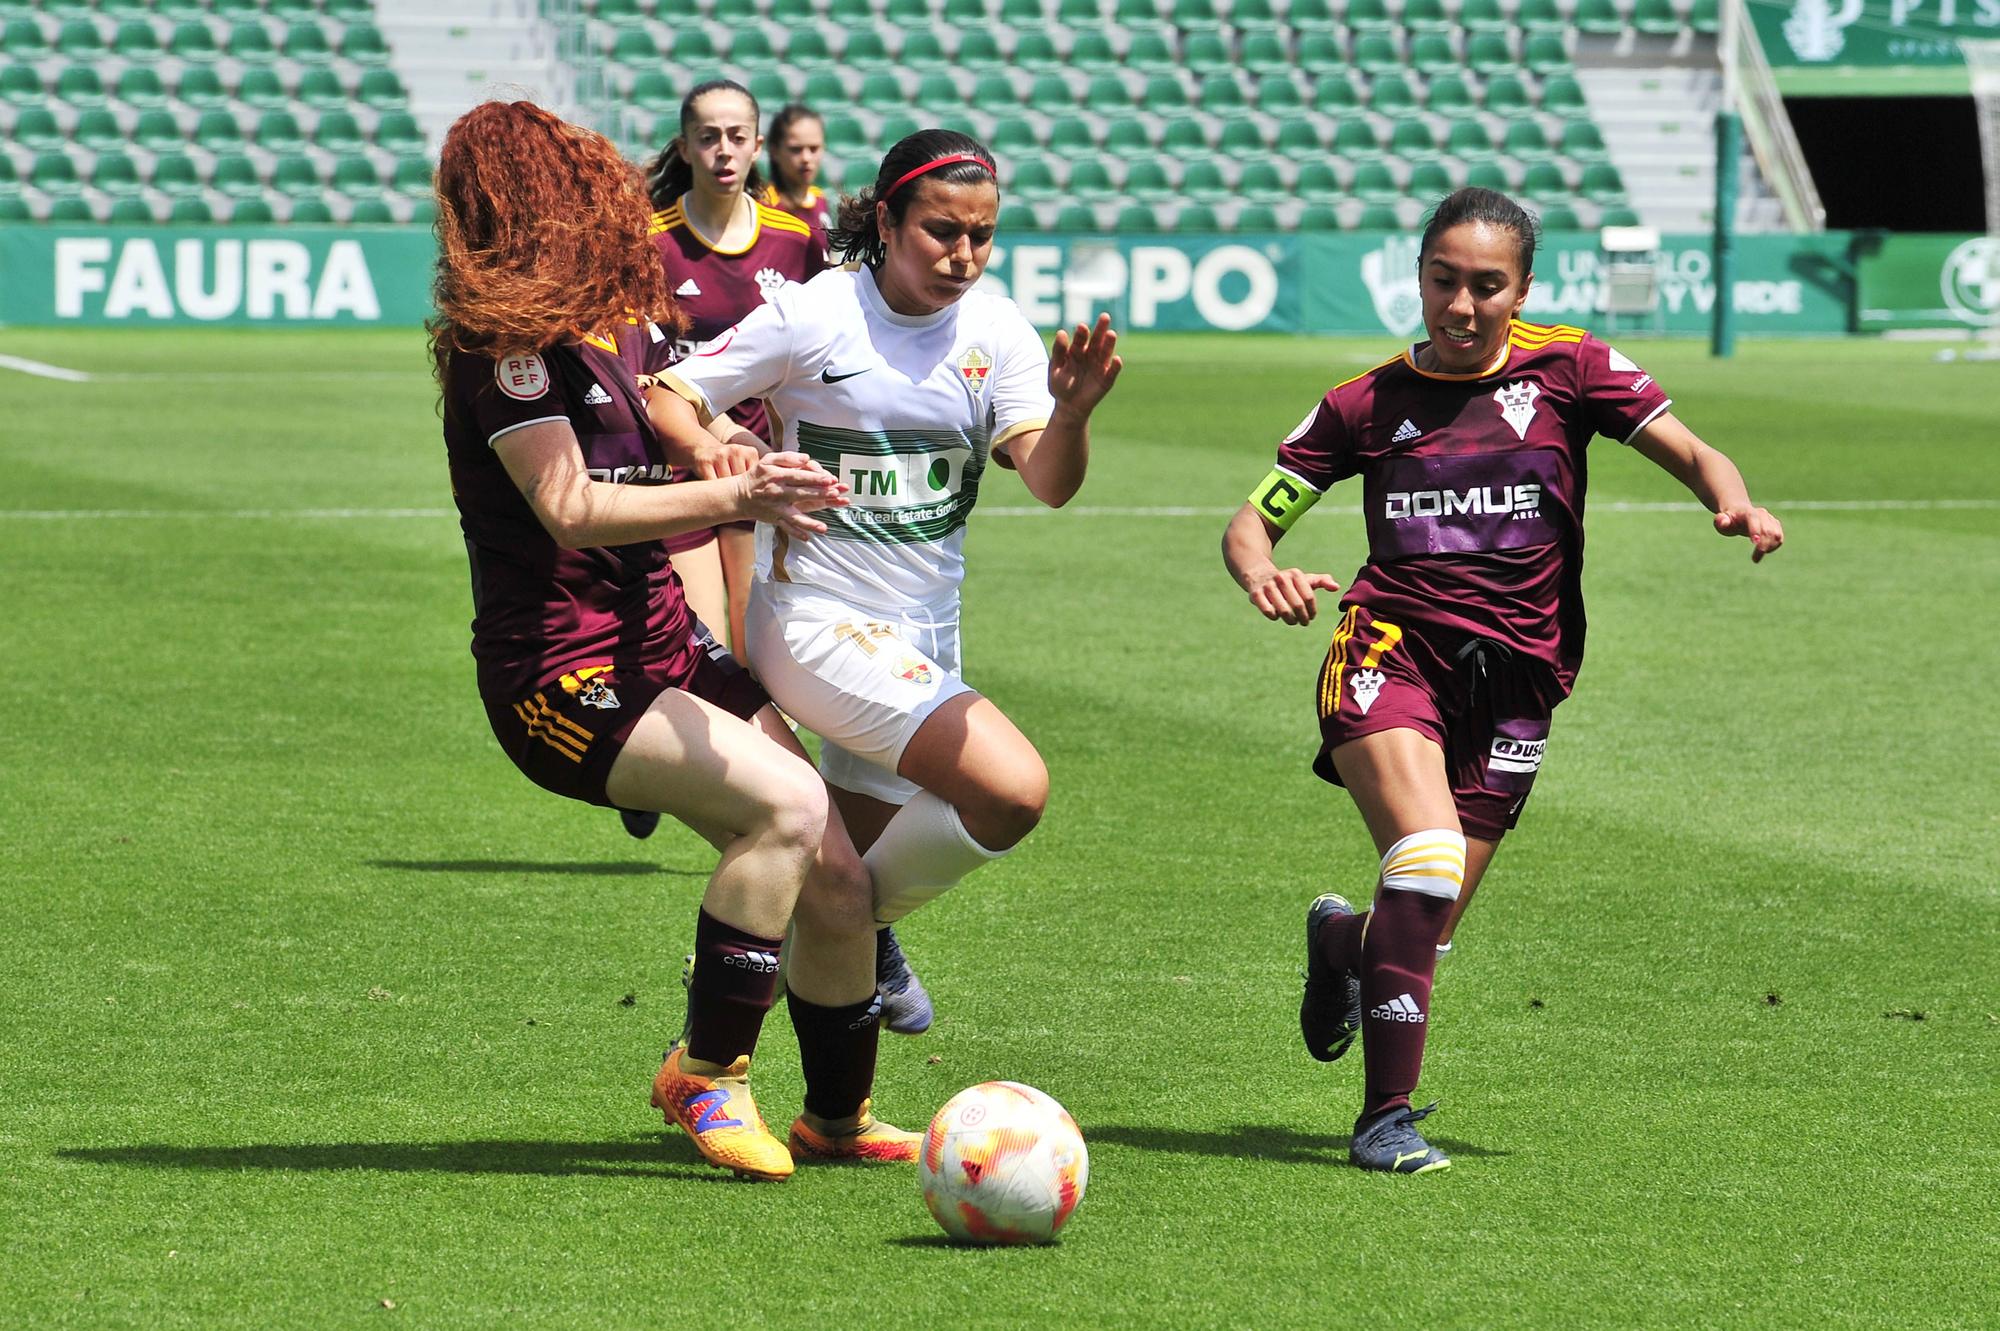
638	1157
1261	1142
608	868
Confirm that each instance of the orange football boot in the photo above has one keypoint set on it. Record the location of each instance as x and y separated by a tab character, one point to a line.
861	1137
718	1113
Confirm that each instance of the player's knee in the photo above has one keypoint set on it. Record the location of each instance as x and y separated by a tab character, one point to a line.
1431	862
795	811
839	895
1011	807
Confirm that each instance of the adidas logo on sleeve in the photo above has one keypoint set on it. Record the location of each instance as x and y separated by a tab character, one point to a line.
1402	1008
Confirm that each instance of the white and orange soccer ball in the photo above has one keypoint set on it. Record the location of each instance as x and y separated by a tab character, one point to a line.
1003	1163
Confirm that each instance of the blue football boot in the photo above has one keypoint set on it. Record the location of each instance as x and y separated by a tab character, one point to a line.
1330	1012
906	1008
1389	1142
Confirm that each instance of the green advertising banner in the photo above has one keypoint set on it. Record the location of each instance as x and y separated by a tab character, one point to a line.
1929	282
1870	46
1367	282
217	275
1291	283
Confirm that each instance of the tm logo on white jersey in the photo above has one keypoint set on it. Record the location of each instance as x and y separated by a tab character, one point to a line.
1517	405
876	481
1403	1008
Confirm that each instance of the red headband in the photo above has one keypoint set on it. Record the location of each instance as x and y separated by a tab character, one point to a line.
931	165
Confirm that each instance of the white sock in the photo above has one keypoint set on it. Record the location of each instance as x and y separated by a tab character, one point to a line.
921	854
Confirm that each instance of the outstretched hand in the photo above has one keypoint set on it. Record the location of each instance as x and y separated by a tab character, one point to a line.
1765	532
1084	365
783	487
1286	594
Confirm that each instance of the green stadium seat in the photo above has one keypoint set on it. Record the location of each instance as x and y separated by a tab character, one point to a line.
1076	217
895	128
1077	14
423	212
1432	53
1544	180
1262	180
23	39
695	47
194	42
364	44
937	93
71	208
806	50
382	89
1222	92
1013	134
1412	140
846	136
38	130
80	85
355	175
236	176
1194	15
1490	53
1318	217
751	49
1468	138
1562	94
636	48
1540	16
1298	138
1378	217
1507	95
850	14
14	208
10	175
371	212
1204	180
292	9
1374	182
1618	215
1582	140
201	87
1253	16
412	176
251	43
1128	135
218	131
1090	180
1018	217
1656	18
620	13
139	86
1093	51
190	211
1136	219
251	212
1206	52
296	176
397	132
156	130
55	172
20	85
1311	15
1257	217
1193	217
1185	137
1490	175
319	89
1071	138
1369	16
1033	178
339	132
128	210
1448	94
313	211
1354	137
1335	93
964	15
306	43
111	9
262	88
1164	92
1242	139
1037	51
734	14
1107	95
1050	95
1705	17
824	87
1318	180
1429	182
97	129
1524	139
979	52
1377	53
1546	53
237	10
174	173
1021	15
1599	18
771	89
1482	16
1320	54
1426	16
1279	95
792	13
867	51
1136	16
1147	178
1391	94
1558	217
116	174
135	41
1601	183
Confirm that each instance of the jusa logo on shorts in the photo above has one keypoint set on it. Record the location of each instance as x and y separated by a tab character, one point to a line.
1516	755
1519	501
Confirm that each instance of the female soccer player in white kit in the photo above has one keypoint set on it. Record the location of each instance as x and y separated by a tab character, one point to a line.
897	376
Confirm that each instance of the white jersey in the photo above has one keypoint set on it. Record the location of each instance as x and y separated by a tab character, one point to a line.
906	409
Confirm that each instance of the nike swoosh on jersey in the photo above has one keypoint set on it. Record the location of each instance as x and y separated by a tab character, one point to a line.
827	376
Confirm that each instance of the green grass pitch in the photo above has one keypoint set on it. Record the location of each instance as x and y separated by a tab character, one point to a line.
312	1005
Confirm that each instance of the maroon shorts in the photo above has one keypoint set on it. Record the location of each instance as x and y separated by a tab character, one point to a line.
689	540
565	735
1486	707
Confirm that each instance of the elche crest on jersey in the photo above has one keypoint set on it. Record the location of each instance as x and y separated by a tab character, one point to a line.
1366	684
1517	405
521	376
974	366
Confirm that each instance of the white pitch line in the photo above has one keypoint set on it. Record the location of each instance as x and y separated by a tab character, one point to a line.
1781	506
43	370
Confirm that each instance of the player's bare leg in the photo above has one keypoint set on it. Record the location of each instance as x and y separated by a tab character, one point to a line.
1398	781
737	548
906	1004
1478	855
701	575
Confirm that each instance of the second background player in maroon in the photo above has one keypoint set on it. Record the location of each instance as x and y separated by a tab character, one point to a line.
724	251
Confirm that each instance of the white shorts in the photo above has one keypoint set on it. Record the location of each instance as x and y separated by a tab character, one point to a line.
862	680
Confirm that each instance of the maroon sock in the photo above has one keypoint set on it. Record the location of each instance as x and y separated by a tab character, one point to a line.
1398	959
837	1052
1340	940
735	982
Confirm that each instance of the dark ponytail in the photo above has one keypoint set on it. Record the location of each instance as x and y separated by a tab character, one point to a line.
856	237
668	175
781	124
1483	205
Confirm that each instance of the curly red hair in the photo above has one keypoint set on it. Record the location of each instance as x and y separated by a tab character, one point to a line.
541	232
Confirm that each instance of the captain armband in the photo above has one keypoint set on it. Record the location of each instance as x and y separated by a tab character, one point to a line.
1282	498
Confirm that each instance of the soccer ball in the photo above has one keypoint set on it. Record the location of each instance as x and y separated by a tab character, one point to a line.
1003	1163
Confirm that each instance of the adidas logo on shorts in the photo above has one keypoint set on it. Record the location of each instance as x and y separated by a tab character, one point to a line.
687	288
1405	432
597	397
1403	1008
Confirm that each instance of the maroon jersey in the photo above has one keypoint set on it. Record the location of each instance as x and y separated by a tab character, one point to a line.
540	610
816	212
716	288
1473	484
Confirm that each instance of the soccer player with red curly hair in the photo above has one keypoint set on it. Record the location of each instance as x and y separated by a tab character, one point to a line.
598	683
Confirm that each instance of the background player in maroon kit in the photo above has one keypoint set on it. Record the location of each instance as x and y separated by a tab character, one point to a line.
1464	629
723	250
797	139
597	681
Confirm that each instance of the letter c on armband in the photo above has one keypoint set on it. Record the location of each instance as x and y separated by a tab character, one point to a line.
1282	498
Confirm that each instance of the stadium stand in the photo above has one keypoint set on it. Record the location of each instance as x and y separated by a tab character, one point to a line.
199	110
